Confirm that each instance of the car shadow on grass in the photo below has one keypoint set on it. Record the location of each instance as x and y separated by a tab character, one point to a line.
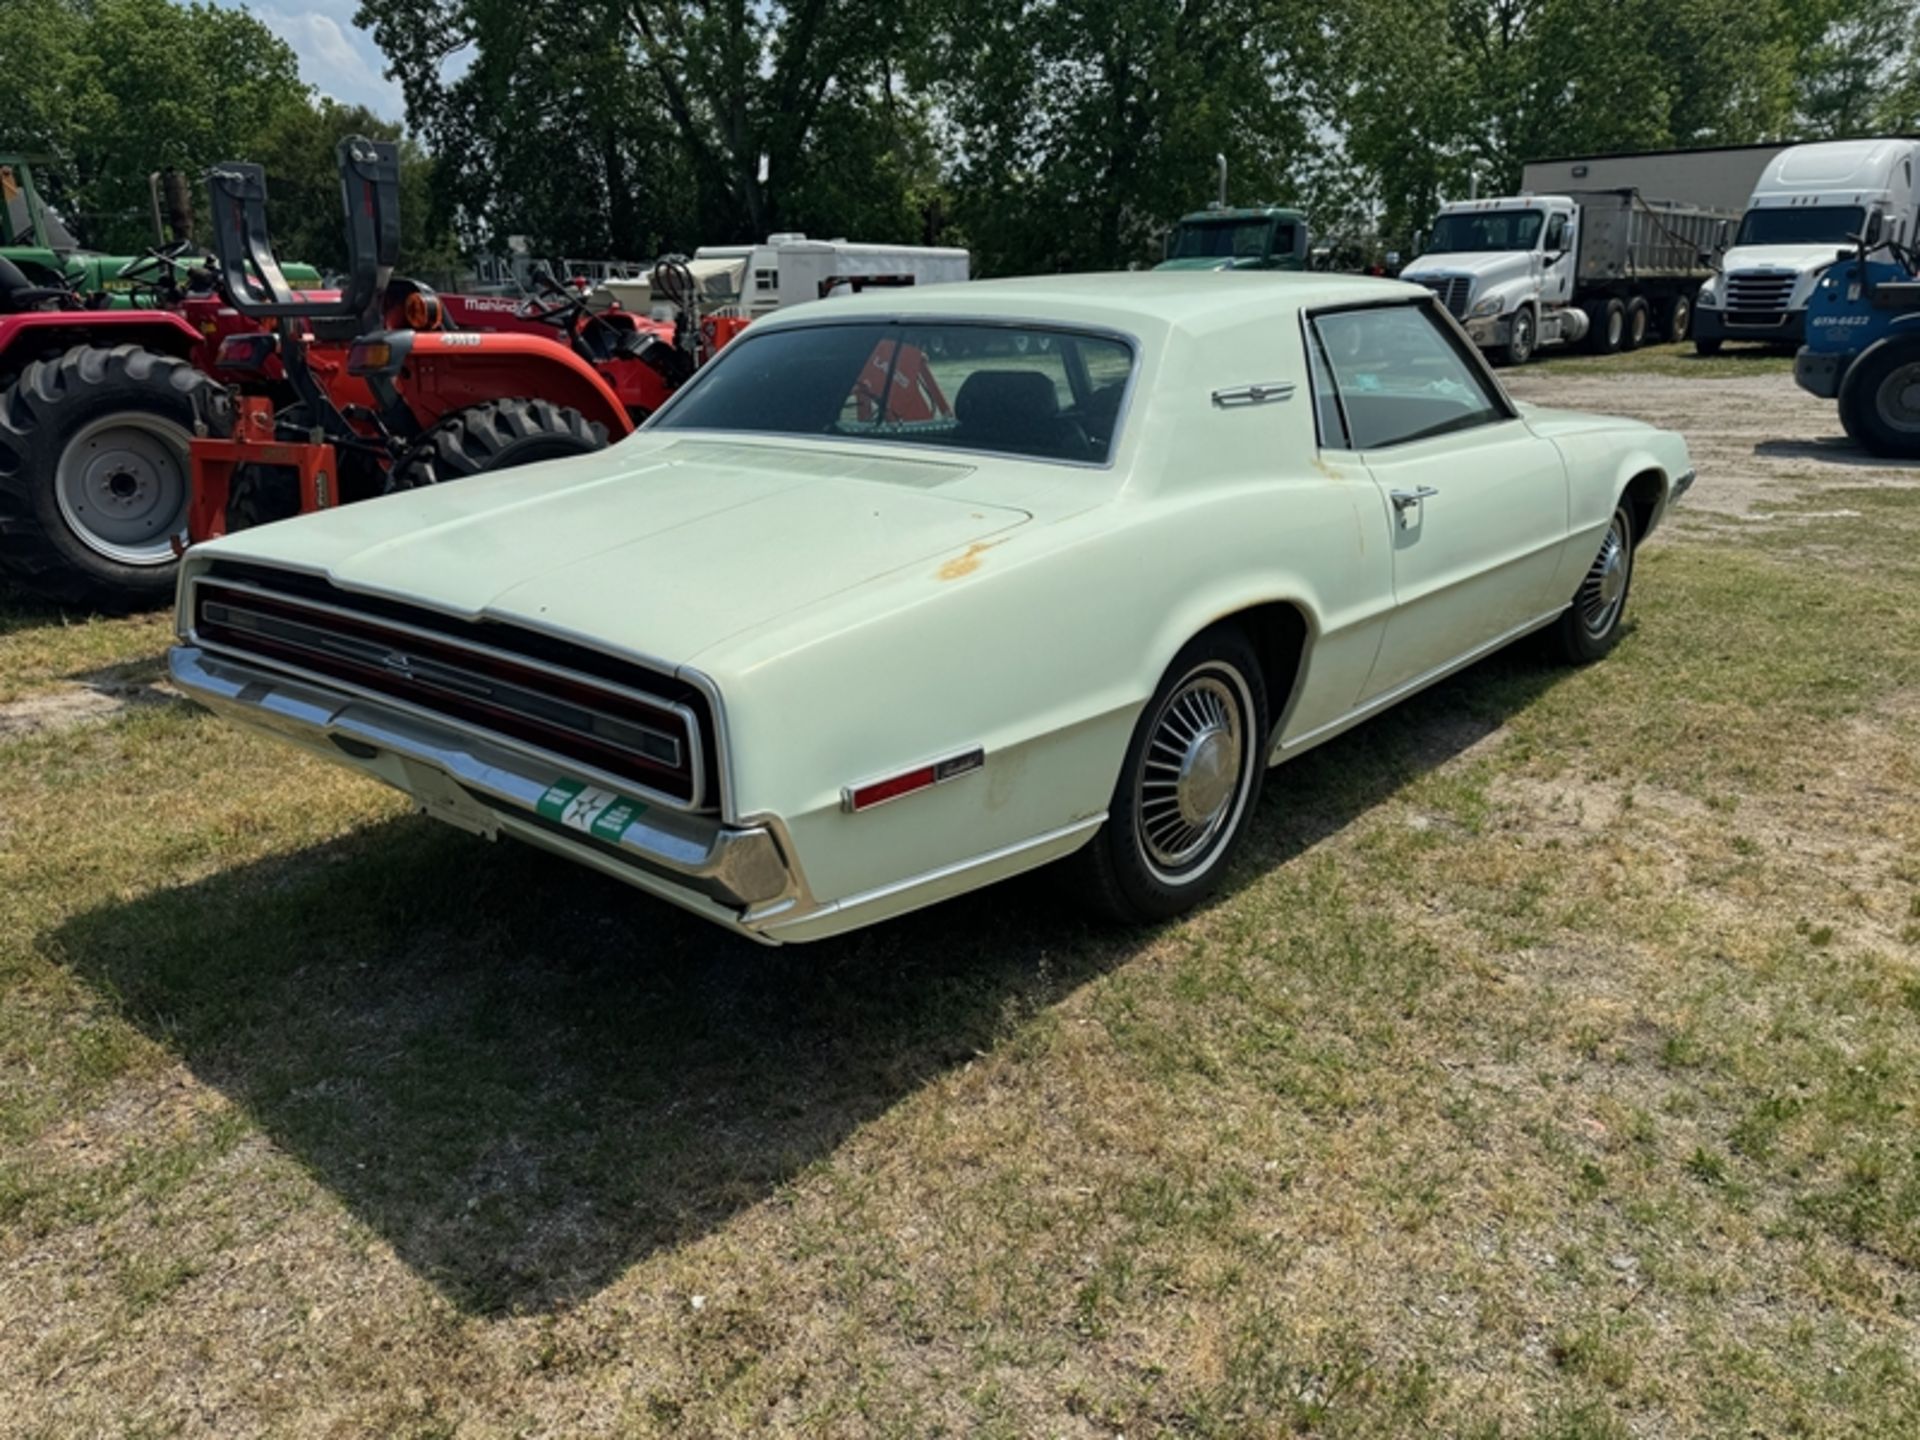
525	1077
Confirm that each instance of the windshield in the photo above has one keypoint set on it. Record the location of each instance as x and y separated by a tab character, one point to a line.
1226	239
1814	225
1040	392
1486	230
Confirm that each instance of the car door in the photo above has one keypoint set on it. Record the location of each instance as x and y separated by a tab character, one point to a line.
1473	503
1556	276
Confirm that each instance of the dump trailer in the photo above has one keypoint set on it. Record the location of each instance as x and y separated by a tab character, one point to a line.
1607	268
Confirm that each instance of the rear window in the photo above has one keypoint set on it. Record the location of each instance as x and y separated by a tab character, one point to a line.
1039	392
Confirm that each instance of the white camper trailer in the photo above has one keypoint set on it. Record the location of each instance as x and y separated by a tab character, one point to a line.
791	270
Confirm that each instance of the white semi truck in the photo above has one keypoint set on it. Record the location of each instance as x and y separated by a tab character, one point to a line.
1810	202
1610	268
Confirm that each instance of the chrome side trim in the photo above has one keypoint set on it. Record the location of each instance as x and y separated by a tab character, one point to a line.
935	876
1419	682
1235	396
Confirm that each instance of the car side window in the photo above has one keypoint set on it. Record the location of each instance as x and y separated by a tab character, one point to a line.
1332	425
1401	377
1556	234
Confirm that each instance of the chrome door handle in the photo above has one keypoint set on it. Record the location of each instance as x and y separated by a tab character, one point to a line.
1404	499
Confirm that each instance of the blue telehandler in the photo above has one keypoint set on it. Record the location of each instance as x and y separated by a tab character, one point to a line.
1863	344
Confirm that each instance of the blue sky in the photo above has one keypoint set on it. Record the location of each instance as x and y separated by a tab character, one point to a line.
335	58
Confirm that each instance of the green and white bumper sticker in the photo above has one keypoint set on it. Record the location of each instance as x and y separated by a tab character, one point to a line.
587	808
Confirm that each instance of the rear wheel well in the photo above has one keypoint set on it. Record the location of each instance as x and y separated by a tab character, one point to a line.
1278	632
1642	499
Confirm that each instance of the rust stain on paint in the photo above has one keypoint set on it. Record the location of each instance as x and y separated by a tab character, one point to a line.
965	564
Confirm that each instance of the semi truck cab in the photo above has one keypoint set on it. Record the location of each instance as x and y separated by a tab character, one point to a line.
1492	262
1258	237
1810	202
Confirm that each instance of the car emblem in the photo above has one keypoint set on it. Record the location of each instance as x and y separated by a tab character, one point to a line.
400	664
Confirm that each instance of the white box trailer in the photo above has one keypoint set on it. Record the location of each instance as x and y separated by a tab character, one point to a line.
792	269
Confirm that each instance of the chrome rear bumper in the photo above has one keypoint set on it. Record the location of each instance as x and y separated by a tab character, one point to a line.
736	874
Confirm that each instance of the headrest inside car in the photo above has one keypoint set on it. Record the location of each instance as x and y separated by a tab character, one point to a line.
1005	400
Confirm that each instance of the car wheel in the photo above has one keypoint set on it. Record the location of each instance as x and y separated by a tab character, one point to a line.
1639	321
1187	789
1590	627
1705	347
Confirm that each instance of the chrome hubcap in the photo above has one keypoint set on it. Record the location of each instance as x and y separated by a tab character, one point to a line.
1605	588
1899	398
121	485
1191	773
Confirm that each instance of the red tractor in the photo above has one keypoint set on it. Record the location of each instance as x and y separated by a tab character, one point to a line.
384	396
97	408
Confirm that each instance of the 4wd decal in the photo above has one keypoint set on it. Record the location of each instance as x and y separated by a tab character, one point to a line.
589	809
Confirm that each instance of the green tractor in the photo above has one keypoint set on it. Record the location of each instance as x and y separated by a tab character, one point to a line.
38	242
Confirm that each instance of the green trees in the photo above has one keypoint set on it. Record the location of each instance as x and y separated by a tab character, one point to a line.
1044	136
116	89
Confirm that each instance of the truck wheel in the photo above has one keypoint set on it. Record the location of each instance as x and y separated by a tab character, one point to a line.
1606	326
1523	336
94	475
1678	321
495	436
1880	400
1705	347
1639	321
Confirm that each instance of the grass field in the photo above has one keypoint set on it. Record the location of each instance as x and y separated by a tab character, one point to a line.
1549	1068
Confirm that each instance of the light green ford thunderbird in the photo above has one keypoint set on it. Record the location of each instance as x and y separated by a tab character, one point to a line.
913	590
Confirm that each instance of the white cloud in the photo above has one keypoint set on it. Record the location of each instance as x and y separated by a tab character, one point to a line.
336	58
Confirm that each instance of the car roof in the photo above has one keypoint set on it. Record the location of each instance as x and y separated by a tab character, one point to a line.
1126	300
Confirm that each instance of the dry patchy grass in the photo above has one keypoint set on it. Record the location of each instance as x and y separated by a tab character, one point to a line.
1678	361
1548	1069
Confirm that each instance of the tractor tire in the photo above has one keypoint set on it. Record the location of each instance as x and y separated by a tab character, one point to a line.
94	475
495	436
1880	400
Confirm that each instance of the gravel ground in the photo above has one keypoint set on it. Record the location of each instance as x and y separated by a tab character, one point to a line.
1759	441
